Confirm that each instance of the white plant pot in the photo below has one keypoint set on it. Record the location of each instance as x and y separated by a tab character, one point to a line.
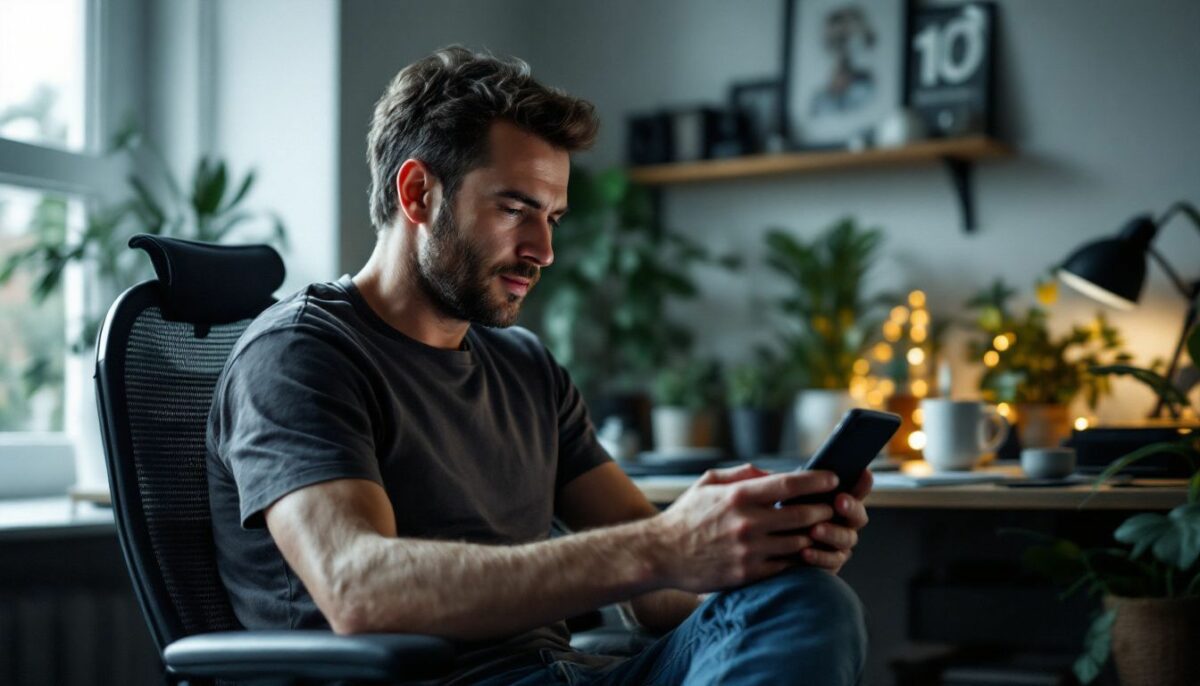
82	421
677	429
816	412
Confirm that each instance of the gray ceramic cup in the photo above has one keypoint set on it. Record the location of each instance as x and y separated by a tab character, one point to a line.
1048	463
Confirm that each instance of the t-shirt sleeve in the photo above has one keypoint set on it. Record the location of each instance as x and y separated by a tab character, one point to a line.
293	411
578	448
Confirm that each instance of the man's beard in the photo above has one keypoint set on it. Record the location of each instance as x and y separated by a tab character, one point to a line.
450	271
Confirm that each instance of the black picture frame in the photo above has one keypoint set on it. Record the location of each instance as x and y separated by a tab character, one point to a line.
818	115
758	107
956	94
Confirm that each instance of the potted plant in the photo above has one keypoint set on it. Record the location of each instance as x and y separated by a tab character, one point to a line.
1034	371
829	320
210	209
1150	583
756	393
602	307
685	395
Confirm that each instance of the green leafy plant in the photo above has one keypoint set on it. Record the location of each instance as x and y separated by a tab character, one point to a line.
691	383
829	319
1028	364
759	383
1159	555
603	304
210	210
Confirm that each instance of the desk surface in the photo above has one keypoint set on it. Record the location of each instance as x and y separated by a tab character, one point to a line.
1140	494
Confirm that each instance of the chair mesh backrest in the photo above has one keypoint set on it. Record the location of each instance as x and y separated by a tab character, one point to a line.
170	375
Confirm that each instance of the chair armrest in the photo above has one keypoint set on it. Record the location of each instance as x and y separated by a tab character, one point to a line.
308	655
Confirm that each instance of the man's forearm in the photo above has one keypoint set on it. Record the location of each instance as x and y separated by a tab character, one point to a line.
469	591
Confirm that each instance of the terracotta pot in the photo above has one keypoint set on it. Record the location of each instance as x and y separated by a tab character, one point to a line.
1043	425
1154	640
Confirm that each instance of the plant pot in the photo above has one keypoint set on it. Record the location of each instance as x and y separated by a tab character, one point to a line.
1154	640
83	424
1043	425
633	411
817	411
678	428
756	431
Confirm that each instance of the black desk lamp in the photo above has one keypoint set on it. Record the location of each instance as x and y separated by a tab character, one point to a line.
1112	271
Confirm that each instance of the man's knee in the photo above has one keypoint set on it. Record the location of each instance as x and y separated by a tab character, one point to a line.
808	596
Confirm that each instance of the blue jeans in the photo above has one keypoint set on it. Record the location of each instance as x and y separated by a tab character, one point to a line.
803	626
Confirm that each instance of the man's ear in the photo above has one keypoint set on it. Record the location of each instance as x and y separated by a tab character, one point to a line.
417	190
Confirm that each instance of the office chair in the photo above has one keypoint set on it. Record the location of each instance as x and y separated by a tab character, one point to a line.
161	348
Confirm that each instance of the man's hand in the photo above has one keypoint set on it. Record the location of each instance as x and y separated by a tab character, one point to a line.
841	536
726	530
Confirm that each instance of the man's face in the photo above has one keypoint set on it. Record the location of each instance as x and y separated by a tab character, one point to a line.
487	245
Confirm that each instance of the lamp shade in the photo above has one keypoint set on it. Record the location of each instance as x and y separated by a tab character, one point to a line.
1112	270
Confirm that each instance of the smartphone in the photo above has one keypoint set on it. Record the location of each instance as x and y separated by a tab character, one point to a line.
854	442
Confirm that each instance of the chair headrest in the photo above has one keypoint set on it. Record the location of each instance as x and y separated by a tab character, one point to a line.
212	284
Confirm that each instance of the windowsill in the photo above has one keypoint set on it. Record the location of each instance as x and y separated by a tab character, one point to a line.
53	517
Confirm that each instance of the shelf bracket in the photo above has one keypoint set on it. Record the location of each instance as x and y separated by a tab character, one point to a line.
960	174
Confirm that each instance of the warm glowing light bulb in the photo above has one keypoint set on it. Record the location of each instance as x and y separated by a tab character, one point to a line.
1004	410
920	388
916	356
1081	423
919	318
916	299
991	358
882	352
892	331
918	416
861	367
916	440
887	386
899	314
875	398
1000	343
917	334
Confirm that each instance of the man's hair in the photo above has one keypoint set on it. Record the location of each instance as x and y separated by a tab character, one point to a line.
440	108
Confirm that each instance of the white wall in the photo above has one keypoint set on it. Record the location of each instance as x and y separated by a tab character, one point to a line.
275	96
254	82
1099	97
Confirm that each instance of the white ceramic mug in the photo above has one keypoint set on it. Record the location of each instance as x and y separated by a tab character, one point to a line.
957	432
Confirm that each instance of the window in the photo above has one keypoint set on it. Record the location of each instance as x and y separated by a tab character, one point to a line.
32	328
42	72
51	120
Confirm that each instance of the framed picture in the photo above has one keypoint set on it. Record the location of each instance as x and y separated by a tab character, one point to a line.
843	68
951	65
758	106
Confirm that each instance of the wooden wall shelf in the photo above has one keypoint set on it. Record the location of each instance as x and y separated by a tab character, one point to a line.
958	154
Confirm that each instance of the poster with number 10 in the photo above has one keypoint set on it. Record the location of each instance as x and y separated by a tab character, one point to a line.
950	68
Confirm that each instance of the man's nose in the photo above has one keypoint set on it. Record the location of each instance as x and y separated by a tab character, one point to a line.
536	242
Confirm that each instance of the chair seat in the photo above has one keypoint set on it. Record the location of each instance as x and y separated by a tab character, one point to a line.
308	655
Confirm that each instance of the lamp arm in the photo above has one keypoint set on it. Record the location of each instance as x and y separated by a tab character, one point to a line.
1188	210
1182	286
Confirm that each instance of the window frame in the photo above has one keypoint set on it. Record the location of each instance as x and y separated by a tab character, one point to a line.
91	178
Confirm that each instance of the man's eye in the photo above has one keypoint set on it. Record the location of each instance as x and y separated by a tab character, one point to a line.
512	211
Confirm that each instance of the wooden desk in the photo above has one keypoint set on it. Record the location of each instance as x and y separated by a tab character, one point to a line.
1142	494
921	534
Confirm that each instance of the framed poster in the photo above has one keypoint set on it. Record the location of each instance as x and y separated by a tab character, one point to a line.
950	68
842	68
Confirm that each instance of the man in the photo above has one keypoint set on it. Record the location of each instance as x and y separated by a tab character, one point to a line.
406	452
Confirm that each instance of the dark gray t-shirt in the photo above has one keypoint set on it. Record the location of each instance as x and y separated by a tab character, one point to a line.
470	445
